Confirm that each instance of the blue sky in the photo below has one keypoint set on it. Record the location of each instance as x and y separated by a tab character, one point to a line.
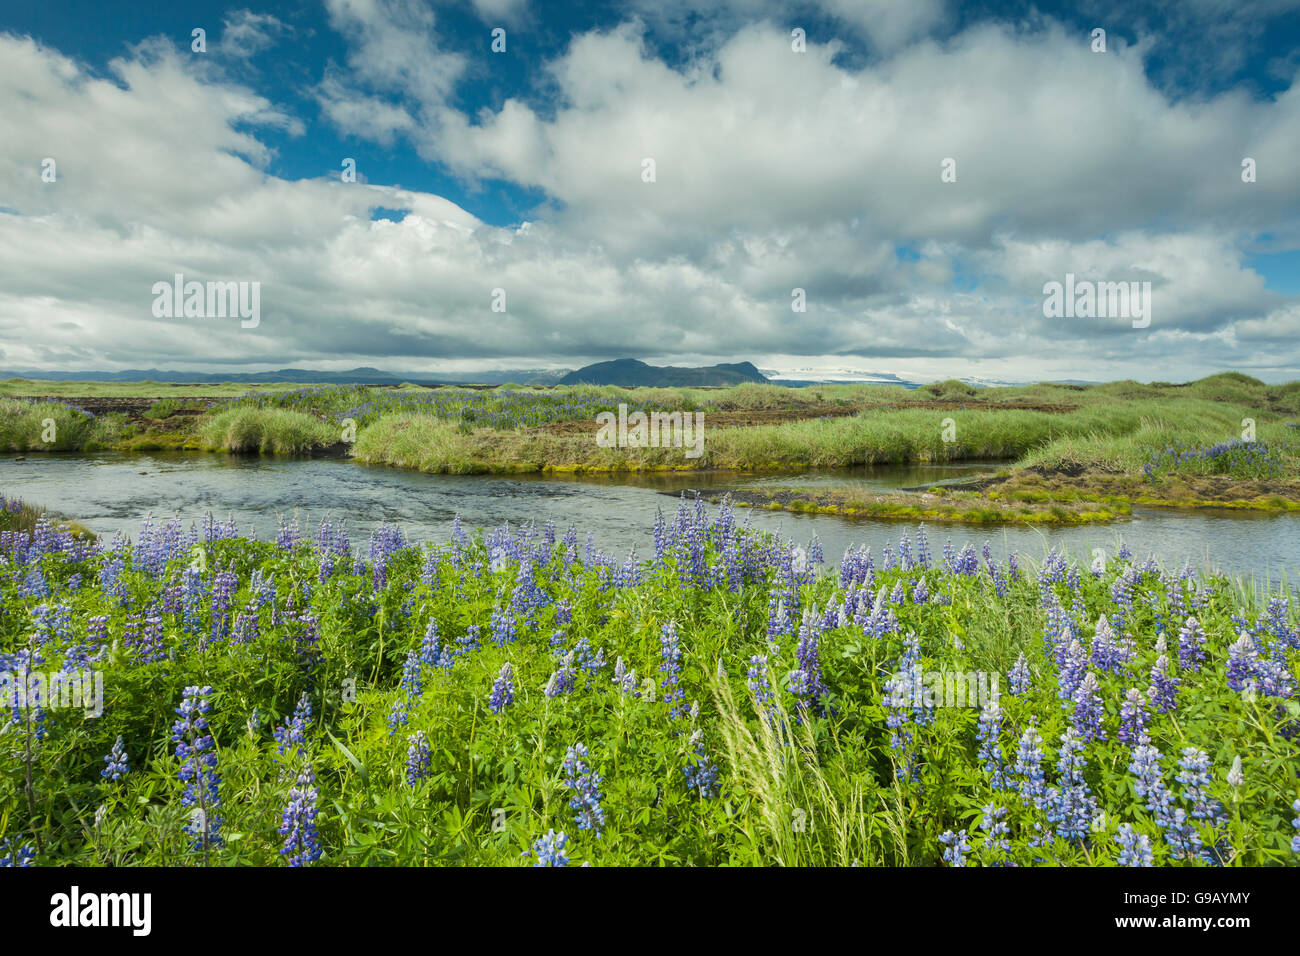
777	169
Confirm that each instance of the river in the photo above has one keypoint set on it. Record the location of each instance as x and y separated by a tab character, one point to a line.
112	491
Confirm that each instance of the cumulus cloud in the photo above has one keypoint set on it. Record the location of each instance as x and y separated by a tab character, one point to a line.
774	170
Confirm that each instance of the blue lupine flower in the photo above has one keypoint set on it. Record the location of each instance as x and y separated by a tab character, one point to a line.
1133	717
624	679
15	855
197	752
1070	805
585	782
990	750
1164	689
1088	710
1028	768
1135	848
1195	777
550	849
1295	840
1191	645
503	690
957	847
1243	661
995	847
701	773
761	685
1020	676
118	763
293	736
298	825
418	757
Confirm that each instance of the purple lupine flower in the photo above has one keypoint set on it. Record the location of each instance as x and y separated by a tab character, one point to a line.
1295	840
550	849
1150	784
298	825
1020	676
503	690
1191	645
1243	662
13	854
1133	718
585	782
624	679
1164	689
1194	775
990	750
1135	848
118	763
418	758
957	847
197	752
293	735
1070	805
671	654
1088	711
700	772
995	847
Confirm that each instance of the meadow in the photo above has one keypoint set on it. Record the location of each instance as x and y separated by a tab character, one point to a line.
521	698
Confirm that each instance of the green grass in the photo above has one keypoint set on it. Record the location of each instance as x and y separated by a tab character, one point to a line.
49	426
795	787
266	430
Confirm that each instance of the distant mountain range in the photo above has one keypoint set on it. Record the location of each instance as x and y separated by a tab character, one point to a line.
626	372
629	372
356	376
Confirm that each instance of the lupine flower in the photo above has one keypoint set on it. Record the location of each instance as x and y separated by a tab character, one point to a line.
701	773
550	849
1133	717
298	825
1235	776
503	690
197	753
1070	806
990	750
1135	848
1243	661
957	847
1164	689
16	855
118	763
585	782
1088	709
1295	840
1020	677
418	758
624	679
671	668
293	736
761	685
1194	775
995	847
1191	645
1028	768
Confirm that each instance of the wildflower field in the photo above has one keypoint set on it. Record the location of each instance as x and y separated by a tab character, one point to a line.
520	698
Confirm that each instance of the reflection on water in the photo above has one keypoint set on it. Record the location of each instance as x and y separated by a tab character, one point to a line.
108	493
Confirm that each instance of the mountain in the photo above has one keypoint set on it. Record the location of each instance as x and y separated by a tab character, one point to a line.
356	376
634	372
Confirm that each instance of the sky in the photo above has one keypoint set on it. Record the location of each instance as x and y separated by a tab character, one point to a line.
642	179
